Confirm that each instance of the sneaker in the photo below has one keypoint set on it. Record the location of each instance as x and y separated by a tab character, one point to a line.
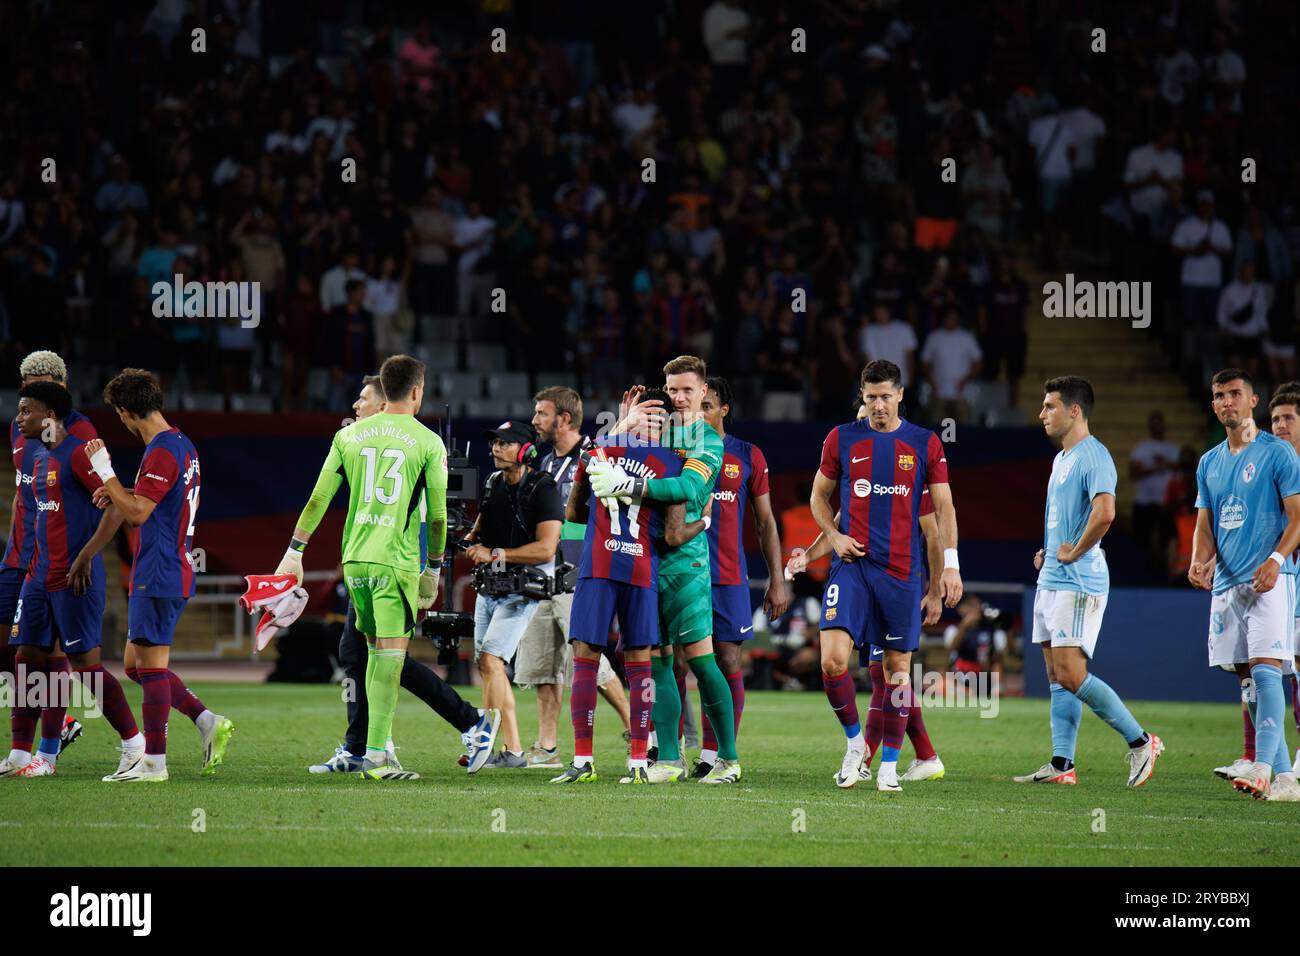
539	758
724	771
384	771
1142	760
636	775
1284	790
38	766
667	771
850	771
342	762
700	770
1049	774
887	779
480	739
1235	769
864	772
463	759
577	774
130	757
391	753
505	760
70	732
1254	781
918	770
9	767
143	770
215	741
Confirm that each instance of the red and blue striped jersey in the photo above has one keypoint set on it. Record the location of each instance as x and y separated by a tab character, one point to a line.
66	517
169	477
743	476
18	550
621	540
882	476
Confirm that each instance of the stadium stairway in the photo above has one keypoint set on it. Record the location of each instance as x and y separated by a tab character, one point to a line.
1127	369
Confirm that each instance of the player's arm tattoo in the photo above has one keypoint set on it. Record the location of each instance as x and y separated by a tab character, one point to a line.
677	530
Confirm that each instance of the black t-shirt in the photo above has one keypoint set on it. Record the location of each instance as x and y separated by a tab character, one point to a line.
510	513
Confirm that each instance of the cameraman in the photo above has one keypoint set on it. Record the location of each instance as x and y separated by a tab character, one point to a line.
977	642
518	523
544	660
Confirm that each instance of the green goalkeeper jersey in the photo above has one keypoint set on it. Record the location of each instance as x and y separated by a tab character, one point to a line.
396	471
701	449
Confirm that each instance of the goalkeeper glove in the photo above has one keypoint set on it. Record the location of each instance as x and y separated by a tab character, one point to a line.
429	587
291	563
613	482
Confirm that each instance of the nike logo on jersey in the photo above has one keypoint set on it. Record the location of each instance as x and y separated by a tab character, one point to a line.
856	460
746	630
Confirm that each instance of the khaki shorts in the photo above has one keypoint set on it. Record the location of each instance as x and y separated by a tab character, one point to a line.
544	654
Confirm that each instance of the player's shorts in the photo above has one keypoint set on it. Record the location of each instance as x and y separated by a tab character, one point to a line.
685	608
1244	624
384	598
1068	618
74	619
544	656
733	619
152	620
499	624
1295	637
11	585
876	608
598	601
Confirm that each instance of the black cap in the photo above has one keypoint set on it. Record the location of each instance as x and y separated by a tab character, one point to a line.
520	432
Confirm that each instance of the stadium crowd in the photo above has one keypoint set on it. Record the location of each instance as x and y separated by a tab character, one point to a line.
776	168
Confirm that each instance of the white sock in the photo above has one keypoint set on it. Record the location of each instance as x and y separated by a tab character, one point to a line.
581	761
654	739
205	720
708	756
134	743
891	764
155	761
858	741
389	744
21	757
637	764
1288	774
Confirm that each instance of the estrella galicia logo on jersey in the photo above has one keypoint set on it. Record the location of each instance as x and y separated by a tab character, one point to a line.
731	470
831	612
906	462
1232	513
1248	473
51	478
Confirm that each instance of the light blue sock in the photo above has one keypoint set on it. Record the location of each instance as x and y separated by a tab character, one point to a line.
1066	712
1270	712
1105	703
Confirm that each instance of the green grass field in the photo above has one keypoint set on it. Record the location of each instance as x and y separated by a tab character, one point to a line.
263	808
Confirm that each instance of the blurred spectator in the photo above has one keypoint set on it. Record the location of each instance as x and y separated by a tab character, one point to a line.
350	345
1004	323
333	284
472	238
889	338
1203	243
835	361
1151	466
1054	150
951	357
1148	173
986	191
431	279
1225	70
1243	318
121	193
782	362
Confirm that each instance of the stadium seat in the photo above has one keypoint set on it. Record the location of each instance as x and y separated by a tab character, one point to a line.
481	357
507	384
442	329
9	403
203	402
495	408
438	357
465	386
251	403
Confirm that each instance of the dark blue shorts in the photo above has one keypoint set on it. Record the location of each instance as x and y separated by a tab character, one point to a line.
733	618
597	601
11	585
76	620
151	620
876	608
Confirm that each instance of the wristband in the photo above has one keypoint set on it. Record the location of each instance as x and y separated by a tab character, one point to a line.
708	520
103	465
297	544
1278	558
950	559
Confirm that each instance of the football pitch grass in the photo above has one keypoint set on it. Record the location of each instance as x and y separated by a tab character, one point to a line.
263	808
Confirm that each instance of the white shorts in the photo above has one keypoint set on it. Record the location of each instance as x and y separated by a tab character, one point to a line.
1244	624
1068	619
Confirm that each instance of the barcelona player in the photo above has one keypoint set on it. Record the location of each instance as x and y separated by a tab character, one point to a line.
876	469
163	504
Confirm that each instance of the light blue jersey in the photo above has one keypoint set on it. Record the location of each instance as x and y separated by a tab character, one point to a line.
1078	476
1243	493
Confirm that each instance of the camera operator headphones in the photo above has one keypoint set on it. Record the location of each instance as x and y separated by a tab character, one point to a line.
524	434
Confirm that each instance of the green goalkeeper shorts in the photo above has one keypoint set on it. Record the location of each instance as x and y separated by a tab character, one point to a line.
384	598
685	607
